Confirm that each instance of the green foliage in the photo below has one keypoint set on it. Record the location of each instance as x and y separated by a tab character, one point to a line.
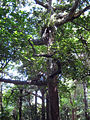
17	26
71	98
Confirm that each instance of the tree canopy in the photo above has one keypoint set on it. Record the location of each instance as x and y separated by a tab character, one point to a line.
48	40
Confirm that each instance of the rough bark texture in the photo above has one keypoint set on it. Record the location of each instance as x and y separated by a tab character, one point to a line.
53	100
52	85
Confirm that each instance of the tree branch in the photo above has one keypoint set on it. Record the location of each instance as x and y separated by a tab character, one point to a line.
61	8
44	55
42	41
86	1
76	15
28	93
67	18
77	24
42	4
18	82
32	46
73	9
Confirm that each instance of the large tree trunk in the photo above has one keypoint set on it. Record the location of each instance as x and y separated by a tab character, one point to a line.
85	101
52	81
53	100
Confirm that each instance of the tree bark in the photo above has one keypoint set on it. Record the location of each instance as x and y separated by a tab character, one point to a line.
47	106
52	81
53	100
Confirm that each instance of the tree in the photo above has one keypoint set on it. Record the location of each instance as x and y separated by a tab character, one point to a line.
85	101
53	52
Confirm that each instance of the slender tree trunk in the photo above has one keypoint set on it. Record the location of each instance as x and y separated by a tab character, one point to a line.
73	118
15	114
30	115
20	105
53	100
74	108
85	101
43	104
1	107
36	105
47	106
67	115
1	98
